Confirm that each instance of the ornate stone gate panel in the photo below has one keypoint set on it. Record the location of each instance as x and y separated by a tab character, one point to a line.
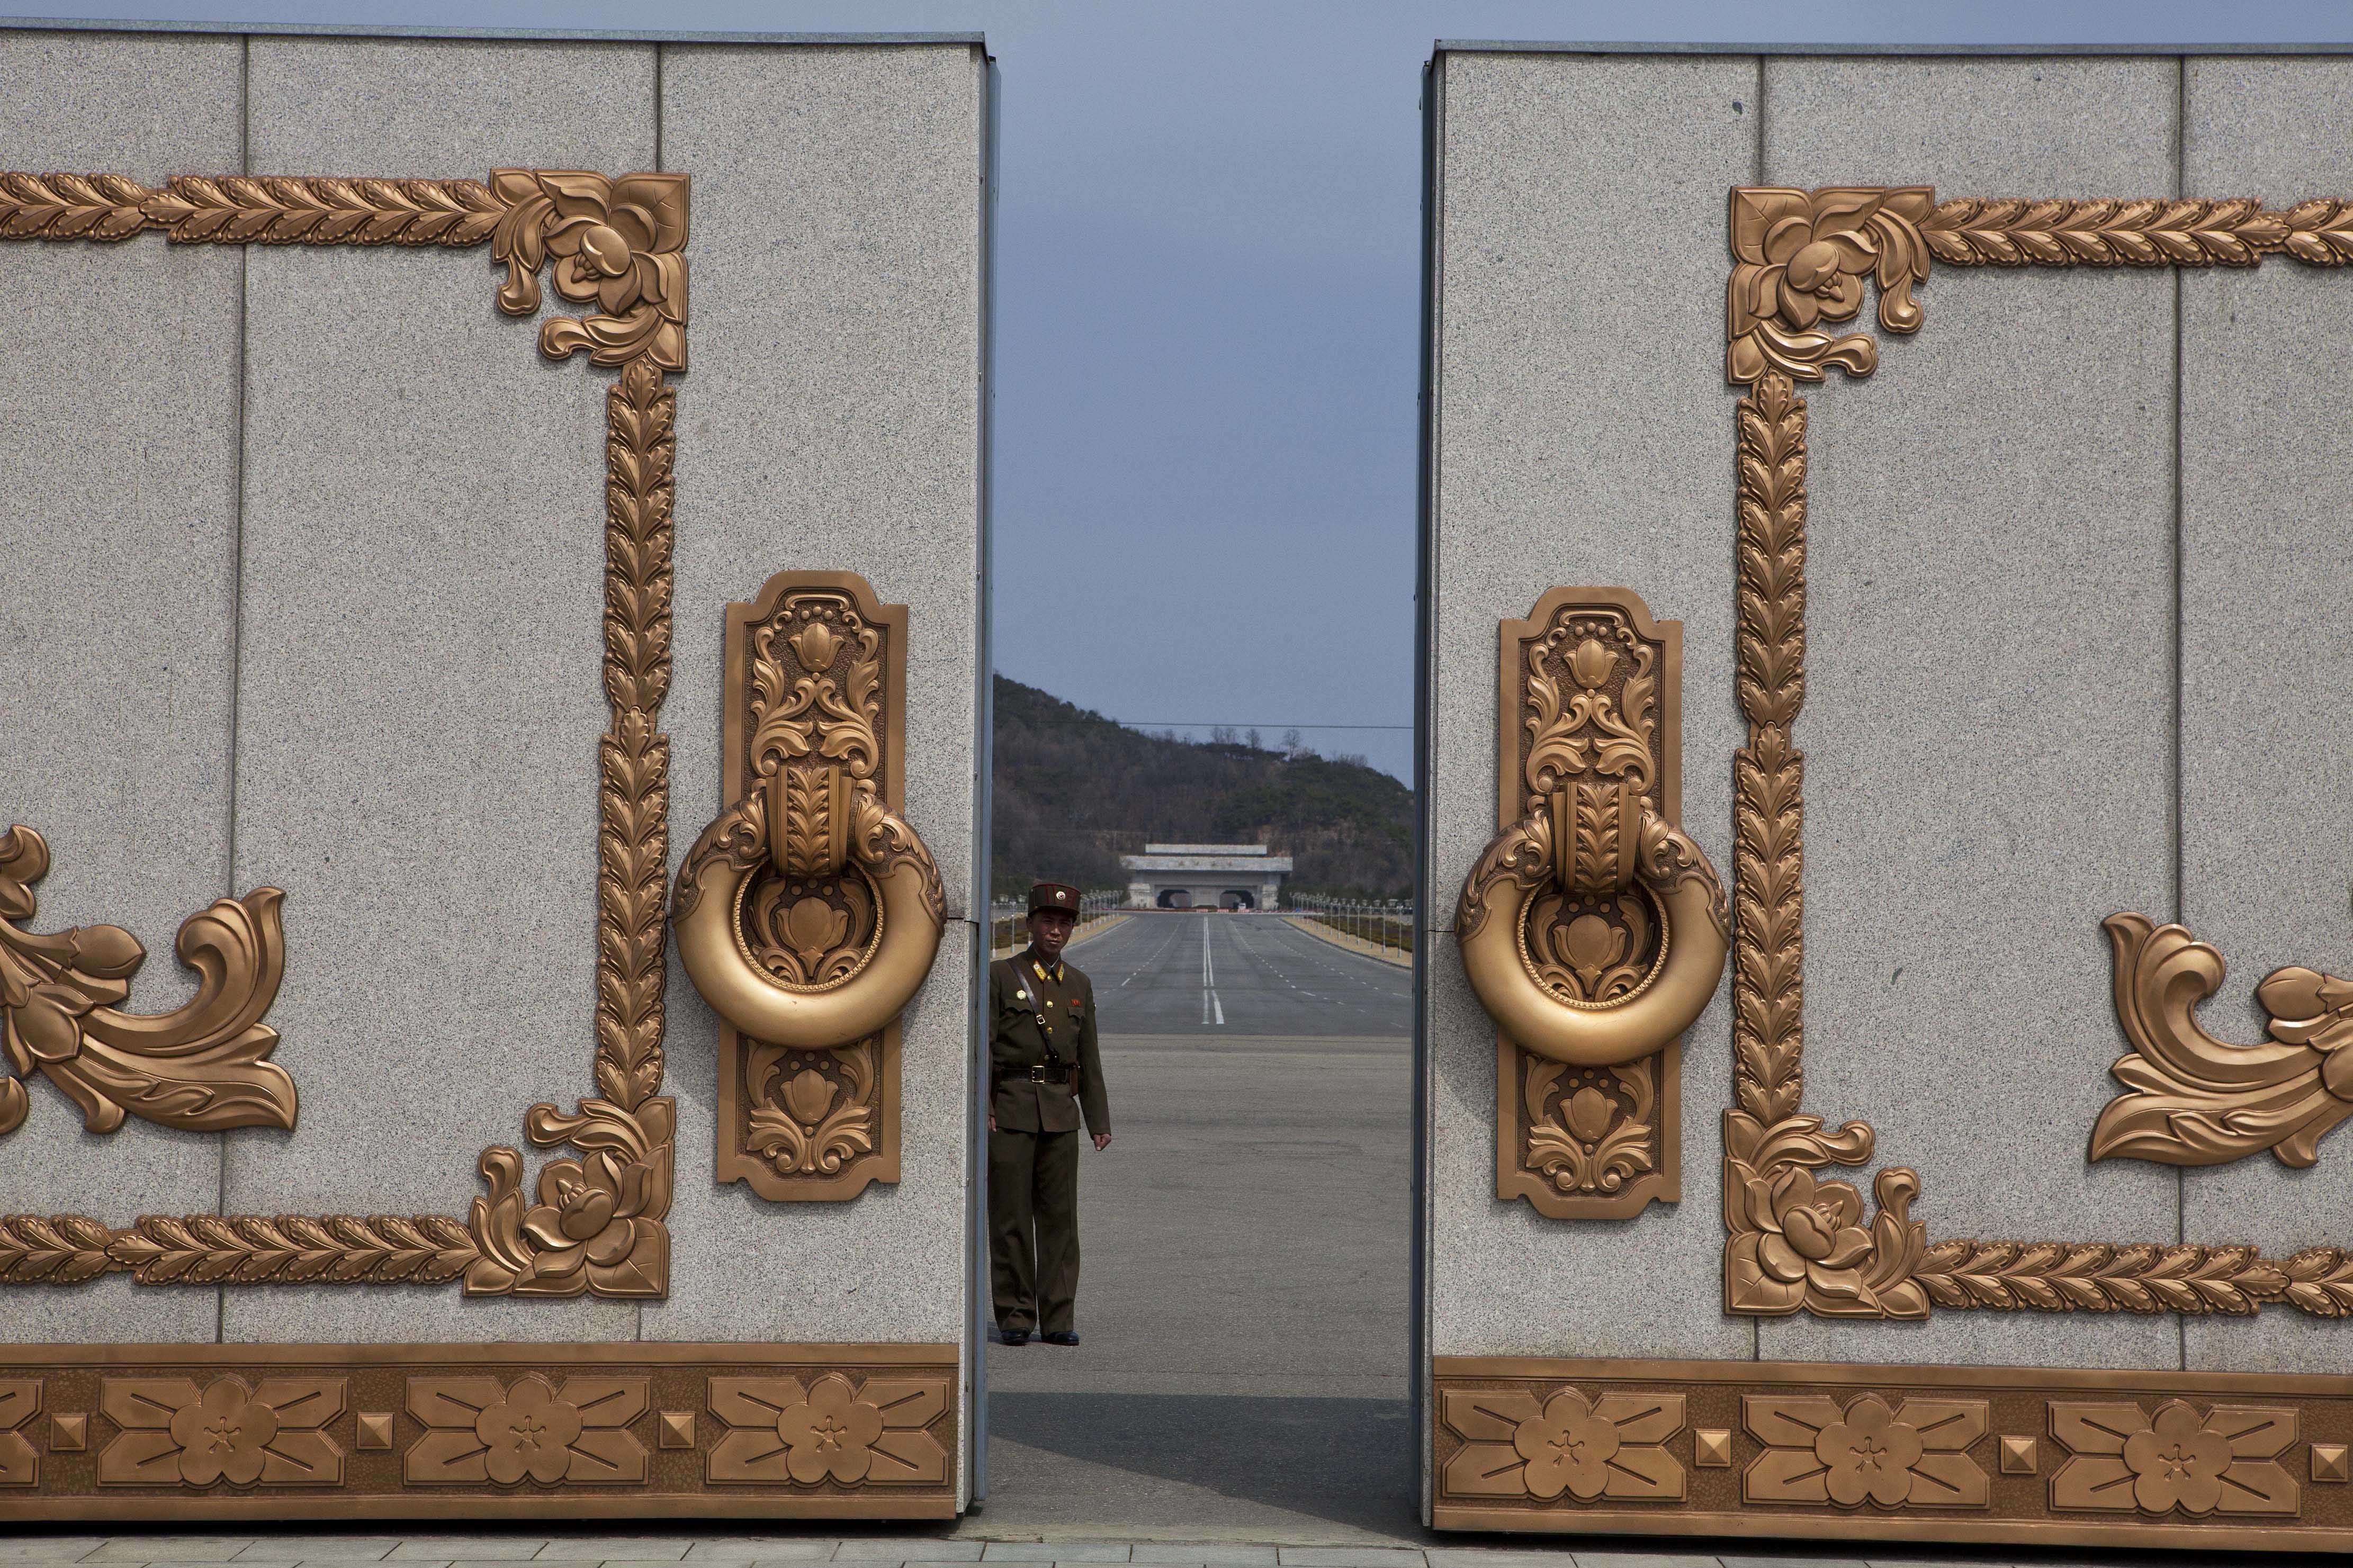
2008	798
370	618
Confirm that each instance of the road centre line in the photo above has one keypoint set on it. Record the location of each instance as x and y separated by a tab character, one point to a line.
1210	1002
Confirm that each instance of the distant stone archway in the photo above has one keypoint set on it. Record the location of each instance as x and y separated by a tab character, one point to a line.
1176	898
1237	899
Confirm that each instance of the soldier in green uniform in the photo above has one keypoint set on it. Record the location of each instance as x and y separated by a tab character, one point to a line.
1043	1072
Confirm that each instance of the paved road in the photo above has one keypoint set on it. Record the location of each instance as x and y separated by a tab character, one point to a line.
1246	1239
1245	1292
1240	975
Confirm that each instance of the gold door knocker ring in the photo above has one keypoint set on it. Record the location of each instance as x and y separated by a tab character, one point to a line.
837	846
1632	915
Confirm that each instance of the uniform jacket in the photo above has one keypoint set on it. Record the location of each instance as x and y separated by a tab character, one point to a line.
1042	1014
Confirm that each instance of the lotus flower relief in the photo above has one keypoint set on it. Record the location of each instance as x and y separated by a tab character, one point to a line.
1810	1236
1800	262
588	1214
808	1095
815	646
1590	664
616	244
814	928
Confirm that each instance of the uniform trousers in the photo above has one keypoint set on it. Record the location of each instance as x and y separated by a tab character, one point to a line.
1033	1229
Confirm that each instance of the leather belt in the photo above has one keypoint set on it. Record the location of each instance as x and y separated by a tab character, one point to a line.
1056	1074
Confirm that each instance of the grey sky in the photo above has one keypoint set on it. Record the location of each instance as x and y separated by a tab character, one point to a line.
1208	297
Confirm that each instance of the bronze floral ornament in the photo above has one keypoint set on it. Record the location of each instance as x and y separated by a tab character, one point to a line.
830	1431
1800	259
528	1432
203	1067
829	1436
1566	1445
619	245
172	1432
1865	1452
597	1224
1798	1242
2197	1101
2123	1458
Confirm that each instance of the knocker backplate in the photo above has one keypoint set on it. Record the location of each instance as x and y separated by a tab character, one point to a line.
815	672
1588	1142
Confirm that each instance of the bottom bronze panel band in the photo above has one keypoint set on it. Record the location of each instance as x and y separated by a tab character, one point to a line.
193	1433
2220	1461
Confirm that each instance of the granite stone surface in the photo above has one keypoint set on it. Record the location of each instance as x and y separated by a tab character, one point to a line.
421	685
1583	437
118	508
885	1266
831	421
2266	742
831	417
1989	717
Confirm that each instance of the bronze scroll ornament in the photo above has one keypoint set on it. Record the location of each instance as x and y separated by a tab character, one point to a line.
1796	1242
1591	929
590	1224
202	1067
808	913
2197	1101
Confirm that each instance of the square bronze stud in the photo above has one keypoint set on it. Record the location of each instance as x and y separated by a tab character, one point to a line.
2018	1456
1712	1448
2330	1462
375	1429
72	1433
676	1429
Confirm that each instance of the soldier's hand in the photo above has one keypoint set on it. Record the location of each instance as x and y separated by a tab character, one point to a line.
1102	1140
992	1121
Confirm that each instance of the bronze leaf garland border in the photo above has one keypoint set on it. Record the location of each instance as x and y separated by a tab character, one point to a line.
1796	1242
594	1223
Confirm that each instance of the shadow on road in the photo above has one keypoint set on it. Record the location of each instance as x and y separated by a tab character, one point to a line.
1346	1461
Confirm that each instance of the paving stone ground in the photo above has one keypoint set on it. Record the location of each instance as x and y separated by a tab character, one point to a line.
959	1545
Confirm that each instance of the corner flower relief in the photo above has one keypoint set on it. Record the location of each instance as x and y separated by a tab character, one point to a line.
481	1430
2124	1458
828	1431
1819	1451
174	1433
1515	1445
619	245
1797	1241
598	1222
1800	259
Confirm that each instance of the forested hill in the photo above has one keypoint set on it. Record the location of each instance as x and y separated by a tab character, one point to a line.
1075	791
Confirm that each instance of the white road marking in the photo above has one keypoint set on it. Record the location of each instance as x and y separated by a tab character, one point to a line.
1209	1003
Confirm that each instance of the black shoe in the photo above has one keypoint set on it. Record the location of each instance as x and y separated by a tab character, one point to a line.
1013	1336
1067	1337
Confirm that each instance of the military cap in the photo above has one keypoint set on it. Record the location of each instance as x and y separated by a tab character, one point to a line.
1057	896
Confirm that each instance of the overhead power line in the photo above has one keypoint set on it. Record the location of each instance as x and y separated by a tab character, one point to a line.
1214	724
